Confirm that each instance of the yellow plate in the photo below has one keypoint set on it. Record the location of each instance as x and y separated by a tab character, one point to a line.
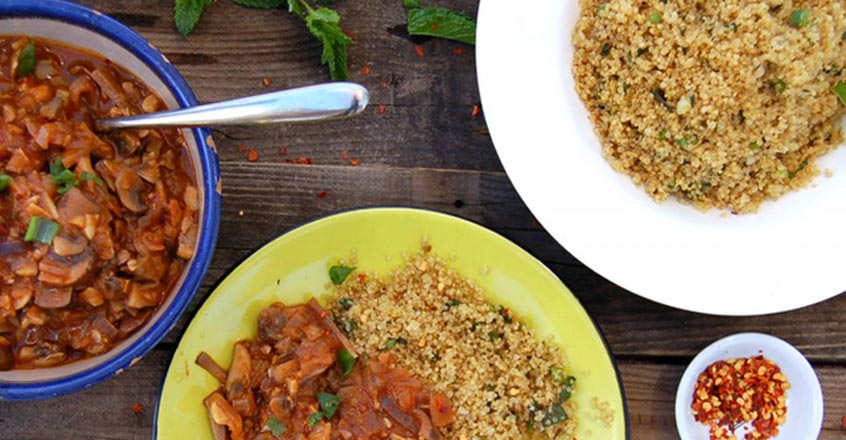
294	267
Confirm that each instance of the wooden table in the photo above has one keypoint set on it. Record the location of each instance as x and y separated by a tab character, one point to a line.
418	145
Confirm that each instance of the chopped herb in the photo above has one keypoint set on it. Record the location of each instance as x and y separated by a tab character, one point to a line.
489	387
346	303
442	23
554	415
493	335
641	51
59	174
840	91
606	49
659	96
567	389
557	374
347	361
655	17
26	60
436	357
410	4
799	17
5	180
275	426
662	135
92	177
325	25
506	314
733	27
452	303
347	325
683	142
402	341
314	419
328	404
339	273
389	344
779	86
754	145
41	230
802	166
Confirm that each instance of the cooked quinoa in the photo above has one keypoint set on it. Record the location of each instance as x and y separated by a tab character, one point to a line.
719	103
502	380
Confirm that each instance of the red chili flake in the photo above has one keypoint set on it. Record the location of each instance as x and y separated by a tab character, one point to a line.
382	109
322	195
242	148
365	70
345	155
385	84
458	51
304	161
434	26
419	50
266	82
476	111
355	162
283	150
252	155
361	277
352	36
137	408
843	423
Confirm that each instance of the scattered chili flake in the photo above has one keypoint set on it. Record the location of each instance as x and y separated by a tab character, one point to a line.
242	148
137	408
382	109
300	161
843	423
458	51
355	162
283	150
322	195
345	154
365	70
419	50
434	26
737	391
476	110
361	278
266	82
252	155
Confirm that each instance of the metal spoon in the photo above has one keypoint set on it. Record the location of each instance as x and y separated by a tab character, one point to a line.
320	102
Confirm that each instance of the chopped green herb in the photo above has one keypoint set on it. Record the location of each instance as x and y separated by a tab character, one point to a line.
411	4
26	60
557	374
92	177
606	49
641	51
489	387
754	145
389	344
733	27
506	315
347	325
840	91
683	142
802	166
347	361
436	357
554	415
442	23
662	135
42	230
5	181
452	303
328	404
493	335
275	426
314	419
568	385
339	273
655	17
325	25
799	17
779	86
62	176
346	303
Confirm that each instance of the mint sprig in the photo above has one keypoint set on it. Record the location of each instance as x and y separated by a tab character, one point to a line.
442	23
322	22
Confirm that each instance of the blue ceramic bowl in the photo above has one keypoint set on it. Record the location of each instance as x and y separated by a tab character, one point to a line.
83	27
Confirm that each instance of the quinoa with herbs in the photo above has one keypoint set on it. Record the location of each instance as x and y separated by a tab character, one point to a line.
502	380
719	103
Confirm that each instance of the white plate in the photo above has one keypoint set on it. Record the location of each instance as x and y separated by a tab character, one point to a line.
787	256
804	398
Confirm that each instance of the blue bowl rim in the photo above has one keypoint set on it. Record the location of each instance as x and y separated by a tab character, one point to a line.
110	28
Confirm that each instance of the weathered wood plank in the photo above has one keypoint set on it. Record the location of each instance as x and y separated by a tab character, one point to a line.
421	107
106	411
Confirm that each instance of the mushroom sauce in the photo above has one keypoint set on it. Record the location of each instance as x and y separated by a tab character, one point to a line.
95	228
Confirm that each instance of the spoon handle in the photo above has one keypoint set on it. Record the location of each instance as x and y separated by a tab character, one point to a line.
319	102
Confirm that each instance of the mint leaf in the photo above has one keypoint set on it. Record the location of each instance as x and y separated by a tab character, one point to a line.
339	273
26	60
186	14
296	7
443	23
260	4
324	24
411	4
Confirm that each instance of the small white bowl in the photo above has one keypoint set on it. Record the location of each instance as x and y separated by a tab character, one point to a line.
804	398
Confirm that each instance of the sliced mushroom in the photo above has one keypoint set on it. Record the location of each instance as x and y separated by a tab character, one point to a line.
56	270
129	188
223	414
53	298
68	245
144	295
